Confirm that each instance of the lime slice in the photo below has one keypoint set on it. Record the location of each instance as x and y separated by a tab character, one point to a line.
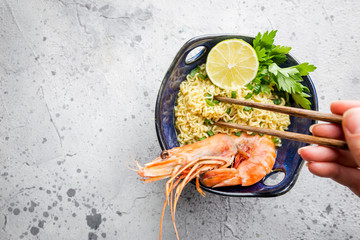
231	64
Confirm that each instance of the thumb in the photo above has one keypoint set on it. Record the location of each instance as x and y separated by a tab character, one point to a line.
351	127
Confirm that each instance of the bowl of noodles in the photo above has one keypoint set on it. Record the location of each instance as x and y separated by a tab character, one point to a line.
182	116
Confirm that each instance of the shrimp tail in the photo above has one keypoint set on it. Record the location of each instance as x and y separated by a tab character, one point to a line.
221	177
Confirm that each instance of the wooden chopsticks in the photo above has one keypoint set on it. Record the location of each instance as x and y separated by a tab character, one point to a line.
335	143
299	112
289	135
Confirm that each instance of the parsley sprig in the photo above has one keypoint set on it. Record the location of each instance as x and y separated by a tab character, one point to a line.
283	82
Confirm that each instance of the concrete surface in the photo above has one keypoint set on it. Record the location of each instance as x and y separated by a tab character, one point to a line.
78	83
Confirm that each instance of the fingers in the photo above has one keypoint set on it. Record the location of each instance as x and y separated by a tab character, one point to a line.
341	166
325	154
346	176
350	131
327	130
339	107
351	128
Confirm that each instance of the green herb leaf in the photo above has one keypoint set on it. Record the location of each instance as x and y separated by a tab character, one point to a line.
249	95
288	79
278	54
265	88
247	109
257	89
276	101
265	40
279	59
261	53
272	78
263	70
228	111
257	81
301	99
280	50
238	133
194	71
288	84
210	133
305	68
233	94
249	86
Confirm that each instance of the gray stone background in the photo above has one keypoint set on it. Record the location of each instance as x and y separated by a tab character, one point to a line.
78	83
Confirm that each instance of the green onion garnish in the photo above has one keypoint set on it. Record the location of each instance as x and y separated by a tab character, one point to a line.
233	94
228	111
230	121
275	140
276	101
210	133
202	76
238	133
202	138
216	101
249	95
194	71
207	122
209	102
208	95
260	134
247	109
249	86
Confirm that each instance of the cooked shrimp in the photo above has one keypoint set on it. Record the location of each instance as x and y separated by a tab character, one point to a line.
254	160
250	158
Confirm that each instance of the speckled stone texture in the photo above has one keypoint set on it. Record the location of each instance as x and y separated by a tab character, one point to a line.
78	83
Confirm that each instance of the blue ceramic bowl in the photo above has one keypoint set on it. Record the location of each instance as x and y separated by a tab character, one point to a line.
287	161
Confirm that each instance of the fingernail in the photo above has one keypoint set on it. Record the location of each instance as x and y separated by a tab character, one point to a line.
307	164
311	127
303	148
352	120
300	149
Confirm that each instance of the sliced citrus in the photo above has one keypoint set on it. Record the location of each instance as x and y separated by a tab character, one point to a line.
232	63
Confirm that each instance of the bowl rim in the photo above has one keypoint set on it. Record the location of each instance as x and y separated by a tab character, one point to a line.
162	141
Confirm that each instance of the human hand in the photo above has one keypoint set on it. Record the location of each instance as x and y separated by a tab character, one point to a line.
340	165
